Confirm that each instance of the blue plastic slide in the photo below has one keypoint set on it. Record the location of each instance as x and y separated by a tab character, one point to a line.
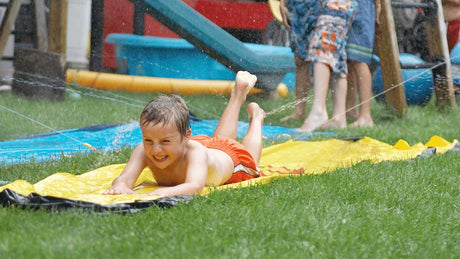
219	44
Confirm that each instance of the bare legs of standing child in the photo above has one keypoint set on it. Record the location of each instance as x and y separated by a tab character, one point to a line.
318	117
359	78
302	81
228	123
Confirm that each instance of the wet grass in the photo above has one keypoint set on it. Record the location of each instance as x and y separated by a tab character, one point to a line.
387	210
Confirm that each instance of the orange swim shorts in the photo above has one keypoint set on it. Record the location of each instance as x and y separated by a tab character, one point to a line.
243	162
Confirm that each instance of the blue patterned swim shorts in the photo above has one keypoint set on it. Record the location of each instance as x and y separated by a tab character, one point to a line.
319	31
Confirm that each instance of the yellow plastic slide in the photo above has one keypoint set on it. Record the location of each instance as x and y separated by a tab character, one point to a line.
289	158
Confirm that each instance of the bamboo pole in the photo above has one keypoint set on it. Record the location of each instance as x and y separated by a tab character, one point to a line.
57	38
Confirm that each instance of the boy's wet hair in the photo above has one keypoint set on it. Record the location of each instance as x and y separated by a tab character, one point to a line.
167	109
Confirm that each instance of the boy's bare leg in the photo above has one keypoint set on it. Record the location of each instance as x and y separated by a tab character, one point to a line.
364	80
228	123
339	97
252	141
352	110
302	83
318	113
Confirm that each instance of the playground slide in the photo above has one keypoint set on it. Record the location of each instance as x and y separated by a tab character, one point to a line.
217	43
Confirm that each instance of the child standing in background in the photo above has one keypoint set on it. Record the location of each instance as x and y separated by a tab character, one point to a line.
318	36
360	44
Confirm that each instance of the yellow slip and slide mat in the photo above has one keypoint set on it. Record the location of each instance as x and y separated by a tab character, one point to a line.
65	190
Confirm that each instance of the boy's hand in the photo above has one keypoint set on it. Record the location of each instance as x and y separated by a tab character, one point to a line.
119	188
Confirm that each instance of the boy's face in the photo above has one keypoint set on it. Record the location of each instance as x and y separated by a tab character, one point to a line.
163	144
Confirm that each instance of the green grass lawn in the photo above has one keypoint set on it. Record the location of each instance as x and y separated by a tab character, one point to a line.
400	209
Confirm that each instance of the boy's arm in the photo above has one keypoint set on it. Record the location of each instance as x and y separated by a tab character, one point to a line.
197	172
124	183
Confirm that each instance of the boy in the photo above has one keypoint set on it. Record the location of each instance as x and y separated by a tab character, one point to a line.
185	164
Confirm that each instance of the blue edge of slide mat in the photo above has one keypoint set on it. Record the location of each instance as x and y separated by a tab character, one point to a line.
44	147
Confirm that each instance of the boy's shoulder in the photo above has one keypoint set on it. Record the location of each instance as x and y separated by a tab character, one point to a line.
194	145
